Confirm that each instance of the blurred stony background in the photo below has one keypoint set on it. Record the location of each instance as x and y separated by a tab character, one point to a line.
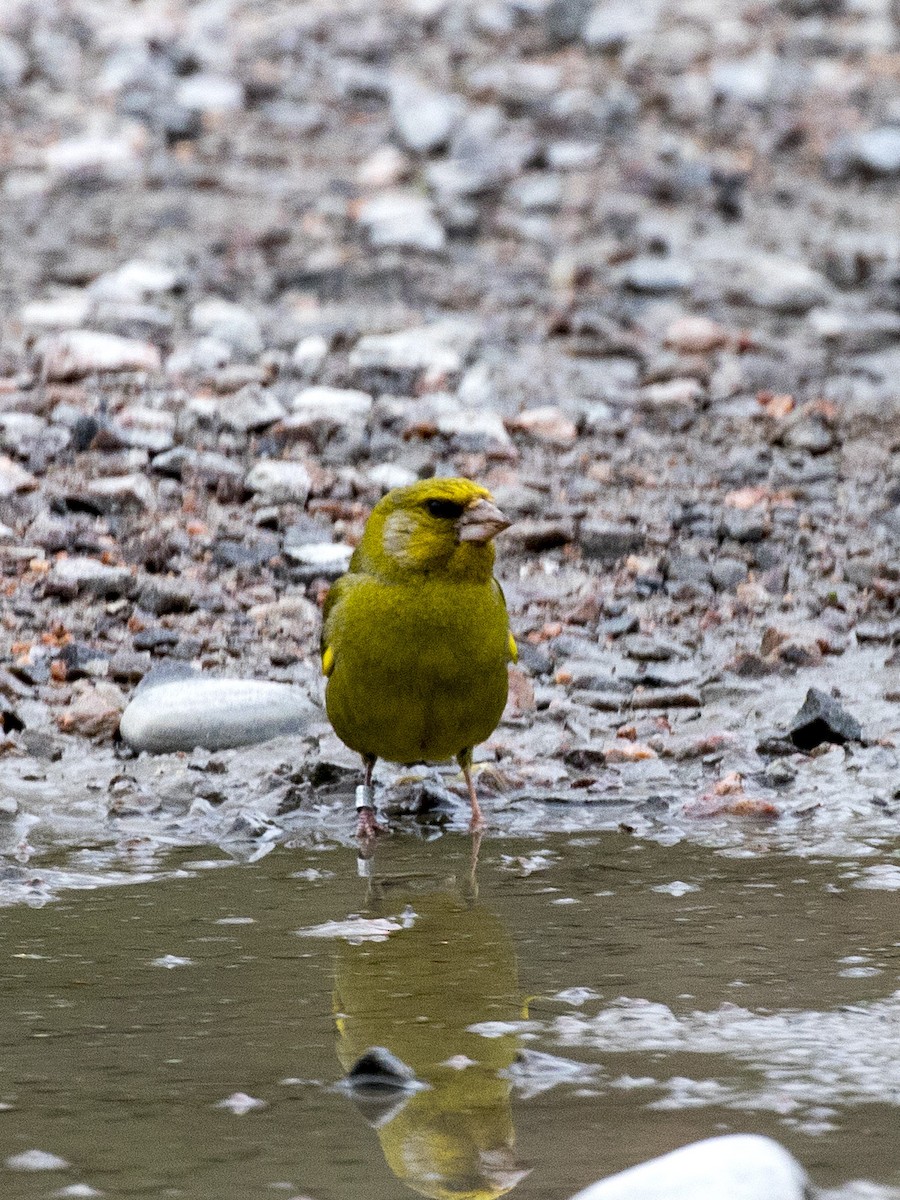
634	266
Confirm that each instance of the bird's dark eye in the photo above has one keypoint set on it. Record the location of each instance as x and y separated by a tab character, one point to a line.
447	509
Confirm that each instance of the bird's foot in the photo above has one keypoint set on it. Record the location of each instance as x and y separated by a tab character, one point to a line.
367	827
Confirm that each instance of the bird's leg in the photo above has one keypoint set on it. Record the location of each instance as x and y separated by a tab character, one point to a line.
465	761
366	825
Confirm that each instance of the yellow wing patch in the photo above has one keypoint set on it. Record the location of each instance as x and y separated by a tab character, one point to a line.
327	661
513	649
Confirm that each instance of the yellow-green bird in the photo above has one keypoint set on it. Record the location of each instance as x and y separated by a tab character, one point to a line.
415	637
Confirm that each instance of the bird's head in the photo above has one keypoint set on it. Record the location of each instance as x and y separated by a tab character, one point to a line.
443	525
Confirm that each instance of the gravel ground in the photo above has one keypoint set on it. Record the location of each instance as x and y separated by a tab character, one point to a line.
634	267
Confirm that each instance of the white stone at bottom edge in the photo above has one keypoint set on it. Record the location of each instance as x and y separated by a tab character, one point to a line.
740	1166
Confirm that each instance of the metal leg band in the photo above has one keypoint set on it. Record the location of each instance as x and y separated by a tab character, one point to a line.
365	796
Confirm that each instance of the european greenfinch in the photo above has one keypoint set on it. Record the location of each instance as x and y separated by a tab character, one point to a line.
415	637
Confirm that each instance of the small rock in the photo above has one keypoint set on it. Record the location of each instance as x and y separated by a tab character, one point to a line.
727	573
695	335
572	156
424	119
206	355
391	475
161	595
402	220
608	542
672	394
36	1160
537	192
433	348
230	323
385	167
808	433
614	23
854	332
823	719
739	1166
240	1104
623	751
548	425
744	525
621	625
746	80
310	353
70	576
251	408
80	352
480	424
657	276
110	159
147	428
121	491
873	152
564	20
279	482
14	478
379	1069
94	712
210	93
326	560
535	534
652	649
129	667
13	64
328	408
782	284
63	312
687	568
134	281
520	701
182	714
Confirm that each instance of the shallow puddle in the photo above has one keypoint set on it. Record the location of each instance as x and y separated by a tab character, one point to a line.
576	1005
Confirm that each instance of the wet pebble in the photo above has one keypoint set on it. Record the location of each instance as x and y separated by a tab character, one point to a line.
423	119
402	220
70	576
740	1166
94	710
823	719
250	408
657	276
36	1160
14	478
275	481
873	152
213	713
81	352
326	409
121	492
429	348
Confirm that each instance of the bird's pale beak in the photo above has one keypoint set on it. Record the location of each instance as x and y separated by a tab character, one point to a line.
482	521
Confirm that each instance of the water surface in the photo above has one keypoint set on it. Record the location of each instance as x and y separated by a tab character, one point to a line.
578	1004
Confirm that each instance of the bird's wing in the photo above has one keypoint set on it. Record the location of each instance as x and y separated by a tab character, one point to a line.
339	588
512	647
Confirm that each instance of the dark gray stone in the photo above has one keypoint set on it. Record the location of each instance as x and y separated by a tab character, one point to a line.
823	719
608	542
379	1068
727	573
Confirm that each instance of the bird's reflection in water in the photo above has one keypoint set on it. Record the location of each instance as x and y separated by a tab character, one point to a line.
416	994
